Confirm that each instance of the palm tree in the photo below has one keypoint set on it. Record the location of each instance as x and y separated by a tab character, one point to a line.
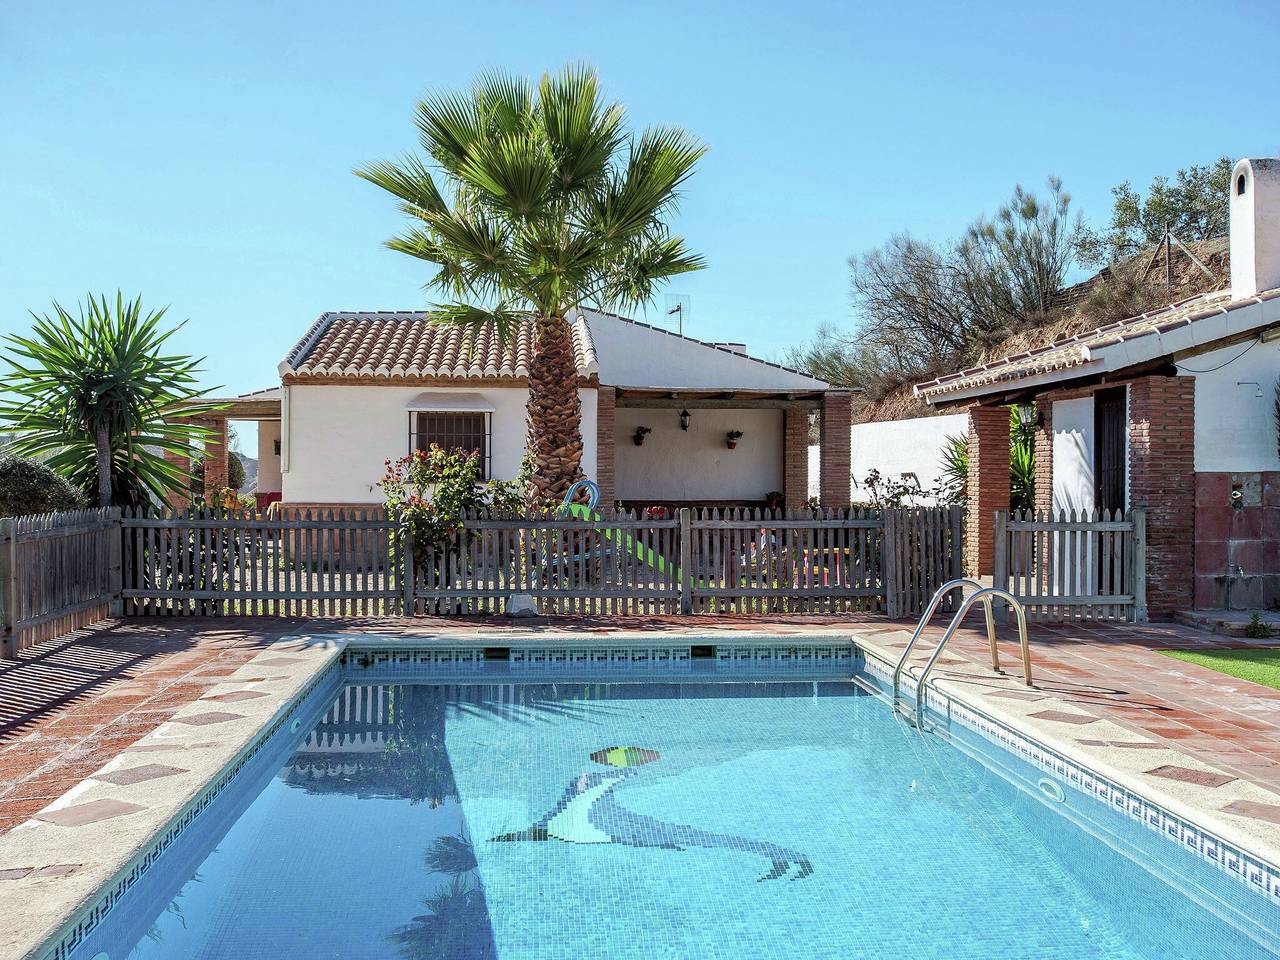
544	203
95	398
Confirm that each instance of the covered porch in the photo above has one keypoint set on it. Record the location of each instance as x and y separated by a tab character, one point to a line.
667	449
261	407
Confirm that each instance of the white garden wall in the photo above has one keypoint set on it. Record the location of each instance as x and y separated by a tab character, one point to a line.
895	447
697	465
337	437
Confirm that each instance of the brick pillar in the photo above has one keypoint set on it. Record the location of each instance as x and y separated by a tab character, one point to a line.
795	458
606	404
1162	482
835	456
1044	454
215	456
178	501
988	484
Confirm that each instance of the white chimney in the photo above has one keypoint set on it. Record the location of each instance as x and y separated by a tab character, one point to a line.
1255	226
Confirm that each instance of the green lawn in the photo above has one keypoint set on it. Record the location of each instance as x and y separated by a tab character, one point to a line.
1259	666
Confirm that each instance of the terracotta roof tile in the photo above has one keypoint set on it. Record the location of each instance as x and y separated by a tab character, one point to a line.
395	345
1075	351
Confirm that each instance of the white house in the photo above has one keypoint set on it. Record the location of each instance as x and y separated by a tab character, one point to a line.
658	412
1175	412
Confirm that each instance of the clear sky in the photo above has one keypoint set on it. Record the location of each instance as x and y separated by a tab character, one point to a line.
201	153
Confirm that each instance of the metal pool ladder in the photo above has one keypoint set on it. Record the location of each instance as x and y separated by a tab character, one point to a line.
984	594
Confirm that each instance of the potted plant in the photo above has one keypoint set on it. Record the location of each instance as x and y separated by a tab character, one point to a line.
731	439
638	437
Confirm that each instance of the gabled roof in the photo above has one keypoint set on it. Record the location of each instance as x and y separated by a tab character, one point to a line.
1187	325
406	346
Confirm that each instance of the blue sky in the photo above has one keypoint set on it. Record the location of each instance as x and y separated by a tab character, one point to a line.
202	153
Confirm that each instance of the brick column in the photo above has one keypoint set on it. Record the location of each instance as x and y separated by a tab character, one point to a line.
606	405
215	455
988	484
177	501
1162	482
835	455
795	458
1044	455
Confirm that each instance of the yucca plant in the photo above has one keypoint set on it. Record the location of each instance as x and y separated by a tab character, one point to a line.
95	396
533	201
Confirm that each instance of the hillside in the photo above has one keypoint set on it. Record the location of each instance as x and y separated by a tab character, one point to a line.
1114	293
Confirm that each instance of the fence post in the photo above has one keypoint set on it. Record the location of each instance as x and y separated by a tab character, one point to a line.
9	588
1000	562
115	560
407	573
686	560
889	560
1138	560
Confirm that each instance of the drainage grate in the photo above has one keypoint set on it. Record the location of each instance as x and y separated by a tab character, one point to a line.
497	653
703	652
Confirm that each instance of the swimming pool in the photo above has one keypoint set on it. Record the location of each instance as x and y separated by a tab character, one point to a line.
721	814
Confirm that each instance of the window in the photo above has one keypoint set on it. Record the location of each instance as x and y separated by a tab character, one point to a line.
1240	185
451	431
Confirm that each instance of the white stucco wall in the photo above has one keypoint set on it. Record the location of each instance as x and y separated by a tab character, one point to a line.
637	355
895	447
268	459
1235	427
339	436
696	465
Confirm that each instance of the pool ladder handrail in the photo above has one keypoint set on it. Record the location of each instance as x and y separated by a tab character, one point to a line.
985	595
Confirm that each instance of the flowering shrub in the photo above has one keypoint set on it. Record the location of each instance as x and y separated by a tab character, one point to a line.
431	489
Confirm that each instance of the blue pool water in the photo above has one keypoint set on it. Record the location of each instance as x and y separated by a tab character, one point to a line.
750	820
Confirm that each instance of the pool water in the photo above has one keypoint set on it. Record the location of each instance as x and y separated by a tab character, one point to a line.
659	820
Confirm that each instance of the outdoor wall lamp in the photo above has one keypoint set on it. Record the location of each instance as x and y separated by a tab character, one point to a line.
1028	414
684	419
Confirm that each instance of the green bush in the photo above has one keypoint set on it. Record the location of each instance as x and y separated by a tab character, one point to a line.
27	487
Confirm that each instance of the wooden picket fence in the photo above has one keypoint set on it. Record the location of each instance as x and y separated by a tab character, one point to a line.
1069	566
58	572
731	561
215	563
626	565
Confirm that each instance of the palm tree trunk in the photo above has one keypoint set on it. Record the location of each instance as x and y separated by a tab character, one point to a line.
102	440
554	413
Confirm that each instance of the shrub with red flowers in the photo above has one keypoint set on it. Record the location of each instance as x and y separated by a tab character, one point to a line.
431	490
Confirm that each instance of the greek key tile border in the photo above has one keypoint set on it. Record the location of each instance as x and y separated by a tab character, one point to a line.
1262	877
87	921
677	658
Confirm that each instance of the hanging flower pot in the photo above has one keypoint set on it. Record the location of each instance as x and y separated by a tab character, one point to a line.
638	437
731	439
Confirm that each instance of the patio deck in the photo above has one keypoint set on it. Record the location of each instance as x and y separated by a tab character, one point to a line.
69	706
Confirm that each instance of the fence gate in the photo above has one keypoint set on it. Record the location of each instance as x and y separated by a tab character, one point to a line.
1069	566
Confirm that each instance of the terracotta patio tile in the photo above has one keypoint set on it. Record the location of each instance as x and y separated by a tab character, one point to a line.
81	813
132	775
204	719
1061	716
235	696
1124	744
57	870
1254	810
1202	778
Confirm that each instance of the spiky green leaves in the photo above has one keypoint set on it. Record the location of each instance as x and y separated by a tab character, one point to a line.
107	366
536	198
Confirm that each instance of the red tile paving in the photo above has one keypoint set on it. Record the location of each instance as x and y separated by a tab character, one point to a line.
69	706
